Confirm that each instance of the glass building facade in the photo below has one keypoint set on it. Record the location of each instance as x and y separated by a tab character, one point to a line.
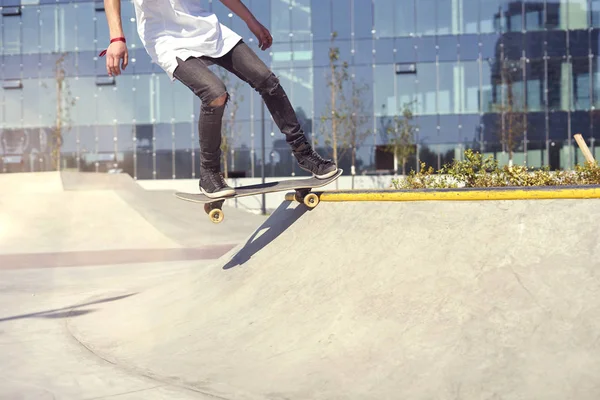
474	70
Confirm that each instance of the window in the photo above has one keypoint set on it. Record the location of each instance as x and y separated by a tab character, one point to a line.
470	16
424	91
85	26
363	18
11	34
31	30
52	39
12	108
321	19
426	17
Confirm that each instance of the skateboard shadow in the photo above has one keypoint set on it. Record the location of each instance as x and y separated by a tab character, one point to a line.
274	226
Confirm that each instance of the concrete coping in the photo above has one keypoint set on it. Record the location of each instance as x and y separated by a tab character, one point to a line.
461	194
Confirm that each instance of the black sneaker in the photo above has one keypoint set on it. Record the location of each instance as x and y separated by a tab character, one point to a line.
310	161
213	185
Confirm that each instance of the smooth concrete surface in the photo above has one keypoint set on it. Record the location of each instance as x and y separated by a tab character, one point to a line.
40	359
47	212
422	300
71	242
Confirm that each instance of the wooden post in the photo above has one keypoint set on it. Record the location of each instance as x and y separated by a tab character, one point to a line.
584	148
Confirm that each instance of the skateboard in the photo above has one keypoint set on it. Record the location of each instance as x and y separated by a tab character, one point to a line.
213	206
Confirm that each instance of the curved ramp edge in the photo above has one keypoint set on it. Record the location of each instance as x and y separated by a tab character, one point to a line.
466	194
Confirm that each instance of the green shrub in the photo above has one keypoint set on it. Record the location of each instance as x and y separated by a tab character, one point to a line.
478	172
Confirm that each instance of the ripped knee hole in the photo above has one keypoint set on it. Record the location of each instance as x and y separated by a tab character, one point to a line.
219	101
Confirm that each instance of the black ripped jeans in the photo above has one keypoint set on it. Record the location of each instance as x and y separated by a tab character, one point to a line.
247	66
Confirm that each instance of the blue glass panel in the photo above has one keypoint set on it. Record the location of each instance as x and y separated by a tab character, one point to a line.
405	20
363	18
426	22
470	17
11	34
449	129
580	123
31	65
554	83
143	100
490	17
10	3
469	47
448	80
428	126
85	15
125	134
31	30
470	89
84	93
31	102
490	44
553	14
445	17
140	62
426	49
557	42
385	96
513	45
341	18
86	65
405	50
469	128
559	125
448	48
163	136
321	19
301	20
185	136
534	44
280	21
594	41
12	108
384	51
105	136
581	83
50	40
282	54
12	67
579	43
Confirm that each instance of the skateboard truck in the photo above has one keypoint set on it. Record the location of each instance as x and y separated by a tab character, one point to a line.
310	200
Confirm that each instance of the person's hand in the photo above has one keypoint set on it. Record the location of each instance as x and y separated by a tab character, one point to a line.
116	54
265	40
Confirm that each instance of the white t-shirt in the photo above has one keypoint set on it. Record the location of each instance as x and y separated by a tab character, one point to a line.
181	28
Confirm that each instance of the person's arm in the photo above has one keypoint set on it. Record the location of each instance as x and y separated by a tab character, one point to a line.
117	51
265	40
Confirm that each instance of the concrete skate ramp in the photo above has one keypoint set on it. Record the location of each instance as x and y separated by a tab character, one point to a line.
379	300
76	212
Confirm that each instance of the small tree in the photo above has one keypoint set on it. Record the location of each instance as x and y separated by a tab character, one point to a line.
64	103
401	136
338	74
512	110
354	123
347	111
229	128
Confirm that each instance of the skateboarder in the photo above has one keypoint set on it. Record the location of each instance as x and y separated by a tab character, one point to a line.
184	39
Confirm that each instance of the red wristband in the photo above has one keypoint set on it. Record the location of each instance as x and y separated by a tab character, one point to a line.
117	39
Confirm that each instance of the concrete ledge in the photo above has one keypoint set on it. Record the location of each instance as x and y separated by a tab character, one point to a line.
465	194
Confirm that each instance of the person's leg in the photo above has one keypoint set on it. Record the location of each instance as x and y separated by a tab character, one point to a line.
212	92
244	63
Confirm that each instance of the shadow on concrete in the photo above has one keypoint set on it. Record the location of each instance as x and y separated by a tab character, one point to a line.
66	312
276	224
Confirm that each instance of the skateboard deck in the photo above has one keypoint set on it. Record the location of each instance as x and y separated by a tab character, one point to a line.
213	206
